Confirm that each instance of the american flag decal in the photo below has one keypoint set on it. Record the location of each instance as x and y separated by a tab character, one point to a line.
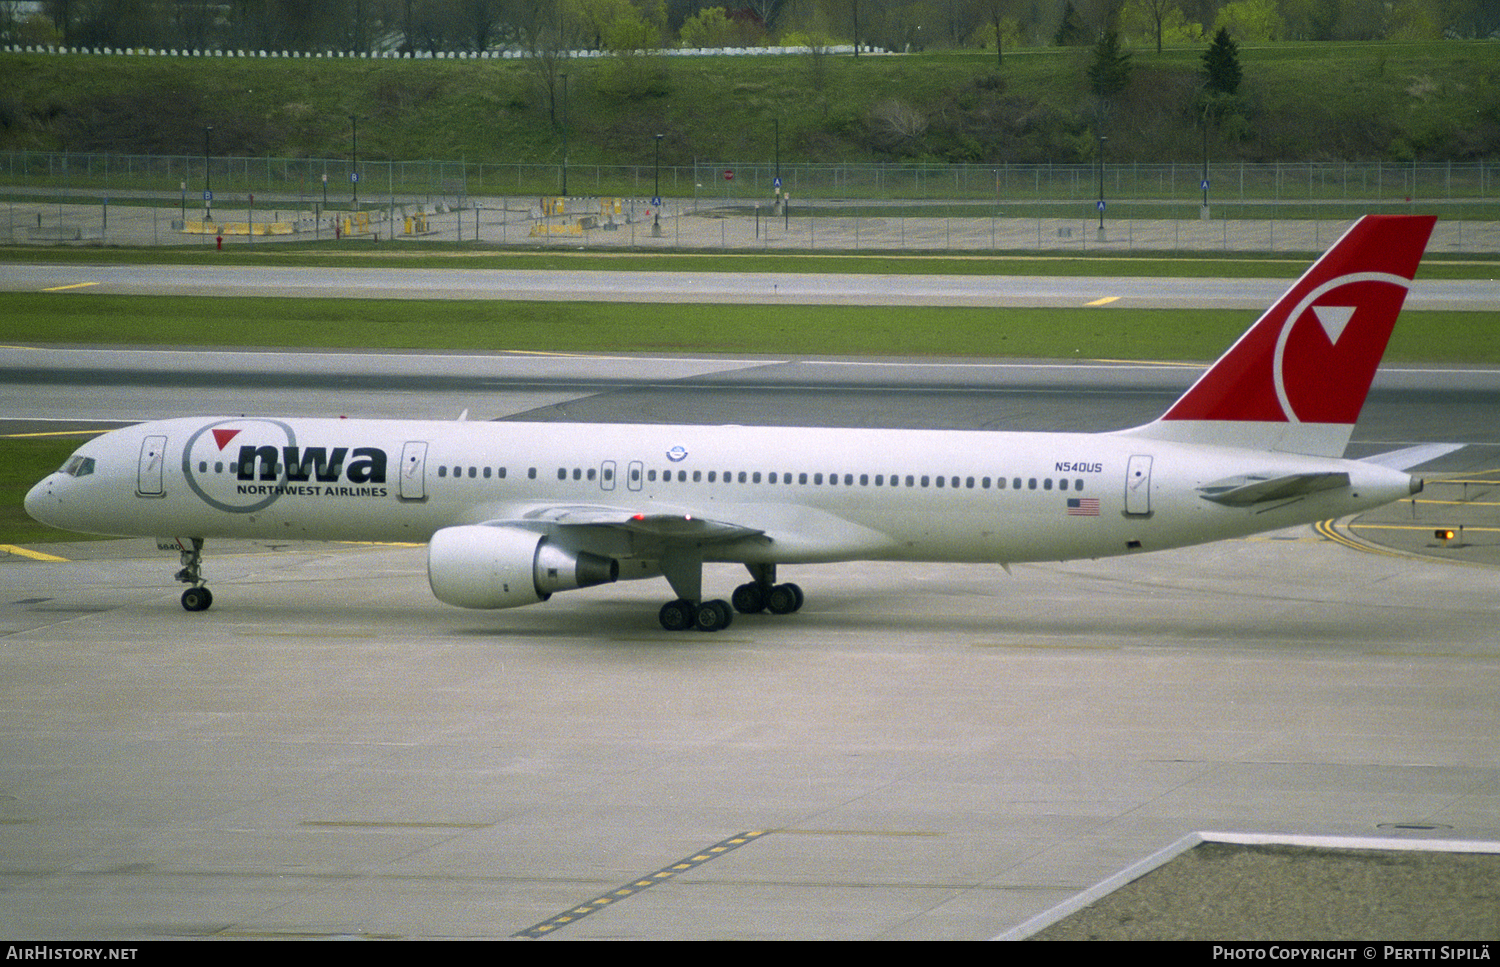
1083	506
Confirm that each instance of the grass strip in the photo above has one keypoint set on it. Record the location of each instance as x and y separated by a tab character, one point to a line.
1116	333
362	253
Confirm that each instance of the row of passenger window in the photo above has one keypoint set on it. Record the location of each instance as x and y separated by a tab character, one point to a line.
485	472
867	480
607	474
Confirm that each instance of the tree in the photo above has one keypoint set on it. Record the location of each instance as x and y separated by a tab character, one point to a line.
708	28
1164	21
547	38
1109	71
1221	64
1255	21
1071	32
1157	12
995	11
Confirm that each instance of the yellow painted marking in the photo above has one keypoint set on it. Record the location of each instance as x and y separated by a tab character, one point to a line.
34	555
543	352
75	285
1154	362
45	433
1326	528
660	876
1462	503
1414	527
1104	301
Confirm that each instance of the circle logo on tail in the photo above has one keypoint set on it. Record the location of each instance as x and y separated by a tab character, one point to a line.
1330	346
224	465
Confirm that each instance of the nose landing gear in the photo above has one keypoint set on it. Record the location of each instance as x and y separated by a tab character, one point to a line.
198	597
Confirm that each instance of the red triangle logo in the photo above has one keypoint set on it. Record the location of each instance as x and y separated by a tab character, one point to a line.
222	437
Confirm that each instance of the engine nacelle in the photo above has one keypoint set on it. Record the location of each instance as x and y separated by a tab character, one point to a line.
505	567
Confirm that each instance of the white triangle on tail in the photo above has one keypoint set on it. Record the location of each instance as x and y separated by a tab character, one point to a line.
1334	319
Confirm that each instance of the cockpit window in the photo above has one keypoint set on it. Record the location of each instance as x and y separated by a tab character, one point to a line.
78	466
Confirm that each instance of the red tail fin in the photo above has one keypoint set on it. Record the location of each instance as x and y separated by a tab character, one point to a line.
1298	378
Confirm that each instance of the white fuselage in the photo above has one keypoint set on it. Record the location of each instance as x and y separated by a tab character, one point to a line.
809	494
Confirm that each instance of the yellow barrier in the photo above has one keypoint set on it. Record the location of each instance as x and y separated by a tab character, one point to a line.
238	228
538	230
258	228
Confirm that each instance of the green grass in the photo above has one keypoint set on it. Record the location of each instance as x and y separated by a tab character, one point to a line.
449	255
41	318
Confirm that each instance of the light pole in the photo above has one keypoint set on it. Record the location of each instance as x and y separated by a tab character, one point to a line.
1102	139
565	135
354	166
1203	214
208	181
656	193
776	184
778	148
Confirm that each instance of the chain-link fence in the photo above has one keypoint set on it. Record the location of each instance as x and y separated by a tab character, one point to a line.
123	199
1473	182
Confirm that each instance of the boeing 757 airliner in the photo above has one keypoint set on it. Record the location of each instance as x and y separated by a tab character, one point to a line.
514	512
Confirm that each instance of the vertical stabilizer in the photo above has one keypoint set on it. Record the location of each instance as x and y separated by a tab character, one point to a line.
1297	380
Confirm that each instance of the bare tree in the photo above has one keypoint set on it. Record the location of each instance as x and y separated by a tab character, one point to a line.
995	12
1158	11
541	28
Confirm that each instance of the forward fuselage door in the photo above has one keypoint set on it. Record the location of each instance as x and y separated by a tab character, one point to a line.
607	475
148	478
414	470
1138	485
635	475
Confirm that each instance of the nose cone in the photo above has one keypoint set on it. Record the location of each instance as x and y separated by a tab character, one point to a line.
42	503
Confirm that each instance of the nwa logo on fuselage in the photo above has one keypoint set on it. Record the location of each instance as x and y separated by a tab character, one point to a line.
311	463
243	466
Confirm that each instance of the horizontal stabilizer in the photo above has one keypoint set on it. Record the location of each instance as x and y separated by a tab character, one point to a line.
1412	456
1252	489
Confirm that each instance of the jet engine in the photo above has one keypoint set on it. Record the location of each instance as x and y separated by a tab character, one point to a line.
476	566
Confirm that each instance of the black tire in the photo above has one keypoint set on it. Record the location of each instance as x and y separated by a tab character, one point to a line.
713	616
677	615
784	599
748	599
197	599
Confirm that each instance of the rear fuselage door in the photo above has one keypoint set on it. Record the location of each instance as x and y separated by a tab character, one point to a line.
148	479
1138	485
414	470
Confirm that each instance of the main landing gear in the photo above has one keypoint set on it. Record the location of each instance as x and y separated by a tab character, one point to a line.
198	597
762	594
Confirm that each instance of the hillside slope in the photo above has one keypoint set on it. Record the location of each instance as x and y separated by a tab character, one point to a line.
1395	102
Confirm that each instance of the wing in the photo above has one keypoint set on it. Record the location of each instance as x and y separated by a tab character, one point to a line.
654	525
730	532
